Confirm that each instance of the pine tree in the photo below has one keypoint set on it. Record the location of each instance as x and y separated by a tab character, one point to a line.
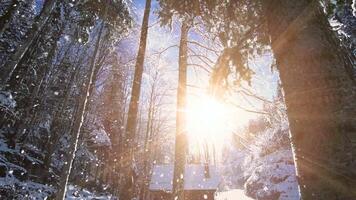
5	18
13	62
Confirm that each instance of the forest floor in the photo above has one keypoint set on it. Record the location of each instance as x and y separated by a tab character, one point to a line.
235	194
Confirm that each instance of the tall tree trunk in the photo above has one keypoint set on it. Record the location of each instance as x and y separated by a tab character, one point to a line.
5	19
146	147
320	98
75	133
127	189
181	140
145	157
10	65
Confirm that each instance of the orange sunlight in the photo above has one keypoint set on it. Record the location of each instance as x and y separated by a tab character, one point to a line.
211	121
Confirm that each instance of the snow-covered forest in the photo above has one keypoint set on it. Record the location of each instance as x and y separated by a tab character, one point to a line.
178	99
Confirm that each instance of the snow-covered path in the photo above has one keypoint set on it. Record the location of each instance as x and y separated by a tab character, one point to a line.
233	195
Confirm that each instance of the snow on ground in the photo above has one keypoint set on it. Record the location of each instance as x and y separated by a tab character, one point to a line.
78	193
273	177
100	137
12	188
232	195
194	177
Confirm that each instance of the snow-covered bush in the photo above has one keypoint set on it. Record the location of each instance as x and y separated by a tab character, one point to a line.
232	170
273	178
12	188
262	160
99	137
6	100
270	171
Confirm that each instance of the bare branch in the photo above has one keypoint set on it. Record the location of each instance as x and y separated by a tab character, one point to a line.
154	24
164	50
247	92
248	110
205	47
201	56
200	66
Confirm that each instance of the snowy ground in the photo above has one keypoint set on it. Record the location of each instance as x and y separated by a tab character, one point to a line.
233	195
77	193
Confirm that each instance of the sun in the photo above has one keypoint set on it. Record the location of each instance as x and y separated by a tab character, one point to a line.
211	122
208	120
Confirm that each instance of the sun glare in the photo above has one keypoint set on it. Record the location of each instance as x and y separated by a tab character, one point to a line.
211	122
208	120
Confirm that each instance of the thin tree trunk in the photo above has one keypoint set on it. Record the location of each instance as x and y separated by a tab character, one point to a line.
10	65
128	189
146	146
75	133
98	65
5	19
181	140
320	98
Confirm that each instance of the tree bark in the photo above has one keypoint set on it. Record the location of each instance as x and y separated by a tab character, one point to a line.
79	121
320	98
181	140
10	65
128	188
